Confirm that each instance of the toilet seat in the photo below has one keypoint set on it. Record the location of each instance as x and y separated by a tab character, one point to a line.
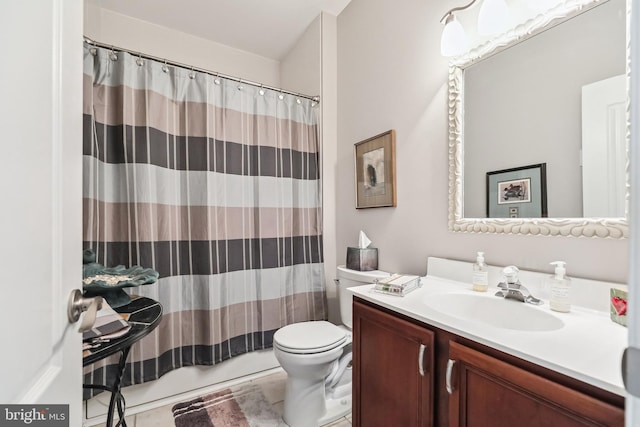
309	337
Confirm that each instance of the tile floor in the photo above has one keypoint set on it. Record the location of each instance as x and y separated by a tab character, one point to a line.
272	386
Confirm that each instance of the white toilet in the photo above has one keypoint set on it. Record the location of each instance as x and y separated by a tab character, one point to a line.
317	359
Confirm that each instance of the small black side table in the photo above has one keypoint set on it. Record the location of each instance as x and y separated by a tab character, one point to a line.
144	315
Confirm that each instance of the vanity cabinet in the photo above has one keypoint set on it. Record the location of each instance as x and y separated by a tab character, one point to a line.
392	371
486	391
465	383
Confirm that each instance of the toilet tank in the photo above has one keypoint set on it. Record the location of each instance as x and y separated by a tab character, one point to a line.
348	278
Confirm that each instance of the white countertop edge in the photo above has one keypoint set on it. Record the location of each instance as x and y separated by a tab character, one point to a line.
576	359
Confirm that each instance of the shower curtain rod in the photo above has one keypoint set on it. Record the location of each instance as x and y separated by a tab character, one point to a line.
314	98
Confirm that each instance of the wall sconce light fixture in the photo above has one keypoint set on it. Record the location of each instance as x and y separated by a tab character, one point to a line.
492	19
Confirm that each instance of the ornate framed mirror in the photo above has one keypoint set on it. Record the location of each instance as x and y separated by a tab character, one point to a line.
527	97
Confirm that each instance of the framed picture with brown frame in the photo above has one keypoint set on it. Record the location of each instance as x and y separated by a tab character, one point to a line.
376	171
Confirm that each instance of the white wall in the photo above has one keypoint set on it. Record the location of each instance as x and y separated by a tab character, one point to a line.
119	30
310	67
300	69
391	75
329	136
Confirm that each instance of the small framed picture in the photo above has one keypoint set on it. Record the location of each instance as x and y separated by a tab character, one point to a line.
376	171
517	192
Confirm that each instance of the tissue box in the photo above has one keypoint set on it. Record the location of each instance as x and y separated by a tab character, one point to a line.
618	306
362	259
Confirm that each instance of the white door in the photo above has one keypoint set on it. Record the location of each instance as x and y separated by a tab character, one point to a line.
40	196
633	402
604	147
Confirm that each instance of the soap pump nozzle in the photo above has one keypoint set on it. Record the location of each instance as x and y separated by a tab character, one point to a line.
560	270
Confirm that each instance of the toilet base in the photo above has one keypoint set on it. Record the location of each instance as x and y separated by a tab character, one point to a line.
338	401
336	409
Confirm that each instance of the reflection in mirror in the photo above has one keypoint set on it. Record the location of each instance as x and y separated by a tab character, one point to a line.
552	91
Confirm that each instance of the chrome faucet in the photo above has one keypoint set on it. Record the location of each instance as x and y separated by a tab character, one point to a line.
513	289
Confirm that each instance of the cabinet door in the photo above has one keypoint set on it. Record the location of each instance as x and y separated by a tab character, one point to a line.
392	370
487	392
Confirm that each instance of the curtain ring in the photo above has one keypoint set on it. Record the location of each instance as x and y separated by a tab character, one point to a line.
164	67
261	91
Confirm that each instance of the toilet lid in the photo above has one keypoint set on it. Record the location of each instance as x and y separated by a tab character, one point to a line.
309	337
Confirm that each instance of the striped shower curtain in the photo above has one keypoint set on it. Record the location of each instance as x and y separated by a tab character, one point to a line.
216	185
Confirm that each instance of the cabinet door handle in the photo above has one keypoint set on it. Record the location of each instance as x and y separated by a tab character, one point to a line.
421	359
450	364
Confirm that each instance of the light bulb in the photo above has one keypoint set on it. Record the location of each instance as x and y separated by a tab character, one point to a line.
454	40
493	17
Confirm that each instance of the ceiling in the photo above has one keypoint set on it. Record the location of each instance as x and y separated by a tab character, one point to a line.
268	28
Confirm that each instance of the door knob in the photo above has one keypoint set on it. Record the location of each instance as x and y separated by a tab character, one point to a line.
79	304
631	370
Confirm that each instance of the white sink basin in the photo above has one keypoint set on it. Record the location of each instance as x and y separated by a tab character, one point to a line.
494	311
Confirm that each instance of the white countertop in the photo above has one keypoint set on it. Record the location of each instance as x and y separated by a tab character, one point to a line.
587	347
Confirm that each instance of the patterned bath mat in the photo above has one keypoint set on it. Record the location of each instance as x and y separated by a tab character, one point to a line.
242	406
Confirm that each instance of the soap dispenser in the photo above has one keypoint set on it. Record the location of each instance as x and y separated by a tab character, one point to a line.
480	274
560	288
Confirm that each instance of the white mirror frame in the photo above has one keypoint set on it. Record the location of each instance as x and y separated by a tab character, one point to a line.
589	227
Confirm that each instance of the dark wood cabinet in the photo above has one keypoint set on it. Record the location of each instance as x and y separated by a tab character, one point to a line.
464	384
487	392
392	371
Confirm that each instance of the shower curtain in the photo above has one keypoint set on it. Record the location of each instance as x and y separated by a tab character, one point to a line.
216	185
